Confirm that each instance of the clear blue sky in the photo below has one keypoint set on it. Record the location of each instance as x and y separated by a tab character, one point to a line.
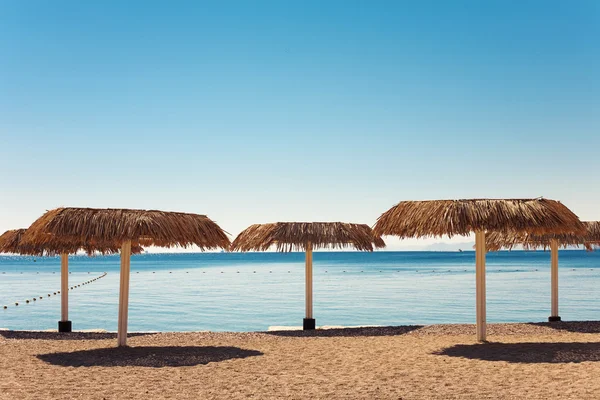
256	111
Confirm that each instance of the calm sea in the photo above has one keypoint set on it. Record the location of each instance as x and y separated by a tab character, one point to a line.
247	292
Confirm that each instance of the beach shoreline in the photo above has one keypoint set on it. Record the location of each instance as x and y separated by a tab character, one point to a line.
500	328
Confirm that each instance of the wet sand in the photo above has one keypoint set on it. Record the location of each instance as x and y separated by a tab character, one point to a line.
533	361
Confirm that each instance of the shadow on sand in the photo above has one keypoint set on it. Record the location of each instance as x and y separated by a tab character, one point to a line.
529	353
349	332
153	357
572	326
31	335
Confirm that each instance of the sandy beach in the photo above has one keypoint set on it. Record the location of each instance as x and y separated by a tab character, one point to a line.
535	361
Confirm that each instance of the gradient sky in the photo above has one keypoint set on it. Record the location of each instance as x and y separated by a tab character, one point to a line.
259	111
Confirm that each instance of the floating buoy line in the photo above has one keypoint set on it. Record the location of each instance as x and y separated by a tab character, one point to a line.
289	272
36	298
421	272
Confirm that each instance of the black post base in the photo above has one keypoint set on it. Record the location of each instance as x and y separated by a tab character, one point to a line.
554	319
309	324
64	326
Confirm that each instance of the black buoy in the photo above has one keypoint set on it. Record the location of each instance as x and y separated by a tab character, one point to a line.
5	307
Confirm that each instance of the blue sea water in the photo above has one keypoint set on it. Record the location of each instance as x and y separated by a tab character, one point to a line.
252	291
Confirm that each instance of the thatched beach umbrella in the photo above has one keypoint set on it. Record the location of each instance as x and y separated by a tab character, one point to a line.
306	236
12	242
128	228
435	218
593	240
498	240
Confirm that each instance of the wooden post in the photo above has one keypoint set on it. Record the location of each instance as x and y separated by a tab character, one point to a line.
64	287
554	280
309	321
480	284
64	325
124	293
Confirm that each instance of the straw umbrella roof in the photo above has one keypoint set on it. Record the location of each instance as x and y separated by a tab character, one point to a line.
288	236
12	242
142	227
593	240
498	240
461	217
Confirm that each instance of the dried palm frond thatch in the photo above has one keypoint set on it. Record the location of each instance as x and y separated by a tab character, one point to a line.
593	238
288	236
508	240
433	218
11	242
94	226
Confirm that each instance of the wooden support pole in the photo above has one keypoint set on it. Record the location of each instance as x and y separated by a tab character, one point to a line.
480	285
554	280
64	287
309	322
64	325
124	293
